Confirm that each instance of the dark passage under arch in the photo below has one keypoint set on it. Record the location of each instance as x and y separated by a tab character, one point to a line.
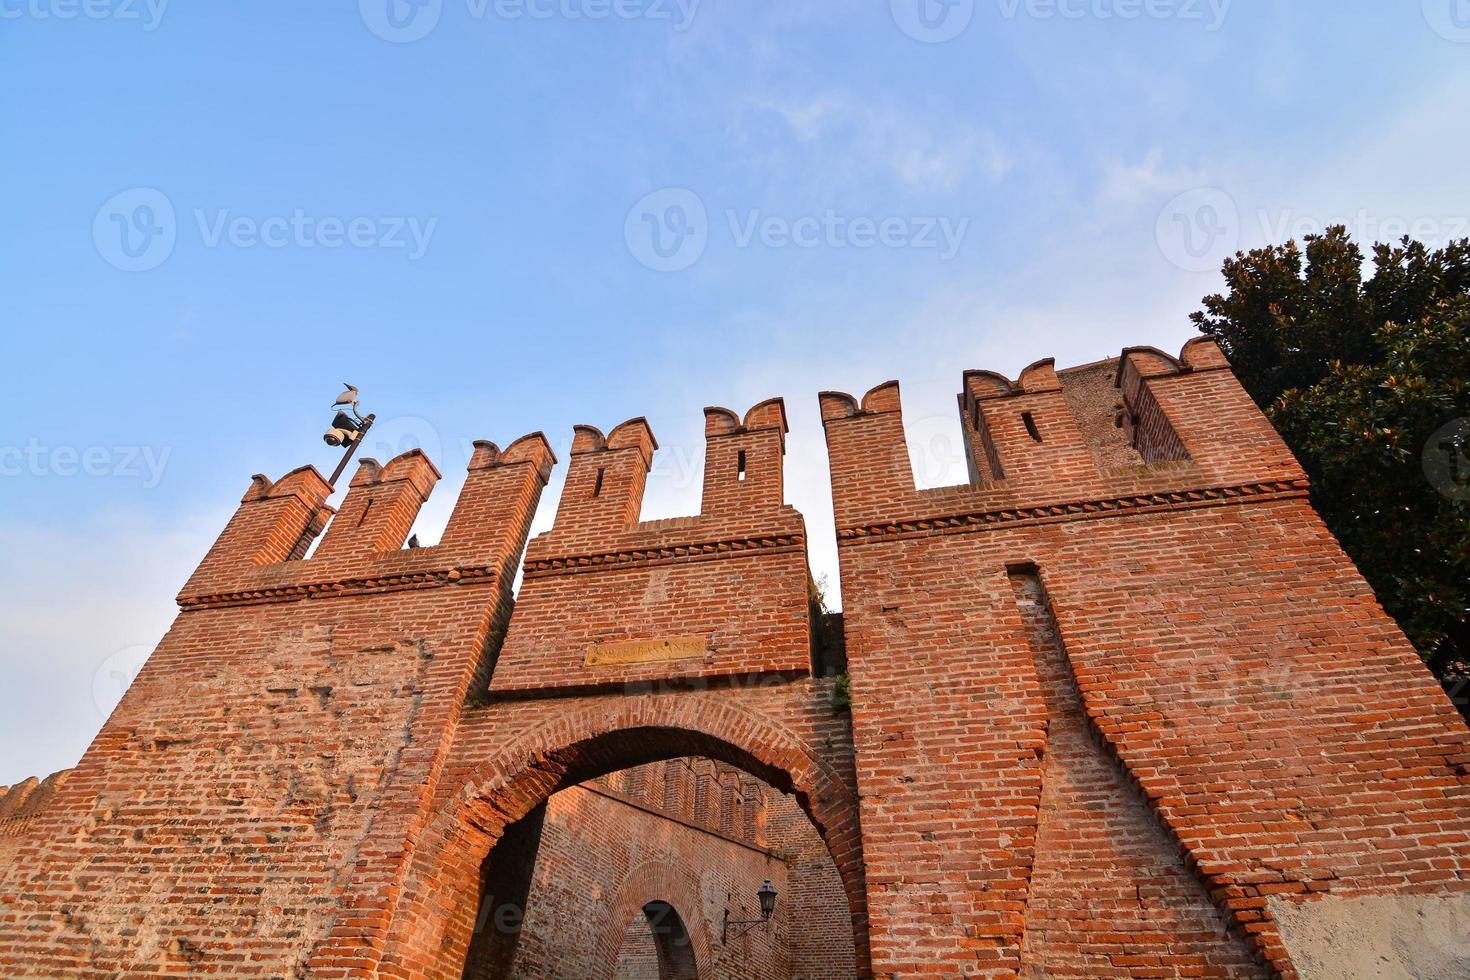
657	945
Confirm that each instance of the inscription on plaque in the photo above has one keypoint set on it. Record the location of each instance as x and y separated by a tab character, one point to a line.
646	651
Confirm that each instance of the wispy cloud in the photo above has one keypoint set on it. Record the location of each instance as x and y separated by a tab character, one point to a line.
868	139
1148	180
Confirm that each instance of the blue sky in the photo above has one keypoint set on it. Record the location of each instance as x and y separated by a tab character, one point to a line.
218	213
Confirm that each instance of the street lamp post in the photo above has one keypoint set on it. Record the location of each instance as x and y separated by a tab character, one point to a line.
347	430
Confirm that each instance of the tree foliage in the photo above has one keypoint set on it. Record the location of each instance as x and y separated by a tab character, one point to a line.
1369	383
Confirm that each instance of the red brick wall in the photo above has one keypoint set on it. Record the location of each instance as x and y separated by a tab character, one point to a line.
819	941
730	585
1255	701
277	746
1124	677
733	577
1109	891
638	956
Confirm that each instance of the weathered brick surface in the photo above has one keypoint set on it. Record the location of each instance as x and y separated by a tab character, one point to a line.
1109	891
1117	704
281	742
734	576
1276	725
732	580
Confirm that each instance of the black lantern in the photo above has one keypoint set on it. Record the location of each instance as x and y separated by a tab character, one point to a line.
766	895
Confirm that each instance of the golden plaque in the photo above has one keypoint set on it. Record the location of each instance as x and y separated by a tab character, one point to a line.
646	651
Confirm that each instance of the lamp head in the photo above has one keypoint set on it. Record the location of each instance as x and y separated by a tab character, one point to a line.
767	895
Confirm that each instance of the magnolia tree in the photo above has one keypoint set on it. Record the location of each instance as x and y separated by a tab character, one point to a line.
1368	381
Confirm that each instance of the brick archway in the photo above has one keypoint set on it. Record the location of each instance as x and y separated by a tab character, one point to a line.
435	913
657	881
671	940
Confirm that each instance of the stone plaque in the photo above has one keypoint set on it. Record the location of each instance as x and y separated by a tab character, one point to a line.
646	651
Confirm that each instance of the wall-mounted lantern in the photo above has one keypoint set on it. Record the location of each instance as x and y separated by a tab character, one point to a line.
766	895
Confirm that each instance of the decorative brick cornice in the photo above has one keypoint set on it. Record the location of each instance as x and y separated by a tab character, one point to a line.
388	582
663	554
1074	510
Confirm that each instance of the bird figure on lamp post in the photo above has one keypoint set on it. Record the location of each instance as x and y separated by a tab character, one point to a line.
347	430
347	400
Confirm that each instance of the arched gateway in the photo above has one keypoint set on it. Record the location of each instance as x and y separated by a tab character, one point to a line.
440	901
1117	705
631	643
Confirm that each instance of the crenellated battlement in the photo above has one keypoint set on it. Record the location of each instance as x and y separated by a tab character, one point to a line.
260	556
601	560
597	519
21	803
1157	431
743	457
30	796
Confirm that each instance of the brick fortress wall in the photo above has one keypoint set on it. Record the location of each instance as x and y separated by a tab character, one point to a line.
1119	706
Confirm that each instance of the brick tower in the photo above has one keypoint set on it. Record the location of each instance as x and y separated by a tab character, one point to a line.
280	746
1119	706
